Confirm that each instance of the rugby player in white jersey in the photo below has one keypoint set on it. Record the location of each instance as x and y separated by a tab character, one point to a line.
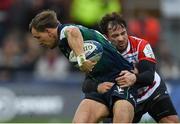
152	92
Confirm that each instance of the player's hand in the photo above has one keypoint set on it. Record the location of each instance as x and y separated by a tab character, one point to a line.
104	87
126	79
87	66
135	71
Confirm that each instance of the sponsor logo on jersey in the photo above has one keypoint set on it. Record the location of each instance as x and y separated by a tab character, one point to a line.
88	48
130	96
119	90
148	51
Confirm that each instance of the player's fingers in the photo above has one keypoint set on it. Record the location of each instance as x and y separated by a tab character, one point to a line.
135	71
121	82
119	78
108	83
123	72
90	68
106	90
124	85
109	86
86	70
94	62
81	69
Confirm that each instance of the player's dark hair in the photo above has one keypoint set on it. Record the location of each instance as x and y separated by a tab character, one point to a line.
43	20
114	19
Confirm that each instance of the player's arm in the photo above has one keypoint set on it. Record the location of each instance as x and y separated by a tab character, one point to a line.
75	41
146	69
144	77
146	72
146	65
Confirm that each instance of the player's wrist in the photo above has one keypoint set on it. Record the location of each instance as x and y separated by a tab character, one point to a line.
136	77
80	59
99	88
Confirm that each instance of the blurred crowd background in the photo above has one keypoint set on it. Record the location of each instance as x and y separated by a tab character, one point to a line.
26	68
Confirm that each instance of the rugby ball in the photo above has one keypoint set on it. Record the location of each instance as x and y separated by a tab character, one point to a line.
93	51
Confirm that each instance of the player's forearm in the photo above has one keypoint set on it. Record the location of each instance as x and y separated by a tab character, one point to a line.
75	40
146	73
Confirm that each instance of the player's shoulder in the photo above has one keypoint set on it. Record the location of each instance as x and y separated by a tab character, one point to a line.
73	25
62	28
137	41
65	27
144	49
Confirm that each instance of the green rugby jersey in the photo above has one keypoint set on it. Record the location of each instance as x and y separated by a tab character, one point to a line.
111	62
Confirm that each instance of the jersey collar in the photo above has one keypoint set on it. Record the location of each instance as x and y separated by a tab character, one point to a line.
127	49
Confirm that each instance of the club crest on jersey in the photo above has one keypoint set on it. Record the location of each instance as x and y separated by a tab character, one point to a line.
119	90
148	52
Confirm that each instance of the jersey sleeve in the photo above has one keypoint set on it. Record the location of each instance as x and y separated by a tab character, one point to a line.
63	31
146	52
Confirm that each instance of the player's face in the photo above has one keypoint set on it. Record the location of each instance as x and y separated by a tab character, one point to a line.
118	36
45	39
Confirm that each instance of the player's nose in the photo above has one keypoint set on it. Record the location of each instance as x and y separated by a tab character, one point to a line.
120	38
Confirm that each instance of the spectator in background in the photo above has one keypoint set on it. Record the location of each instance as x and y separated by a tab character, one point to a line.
52	66
9	56
10	51
5	6
88	12
146	27
62	7
23	11
168	66
30	53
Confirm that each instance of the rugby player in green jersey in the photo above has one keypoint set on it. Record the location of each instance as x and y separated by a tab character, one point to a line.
50	33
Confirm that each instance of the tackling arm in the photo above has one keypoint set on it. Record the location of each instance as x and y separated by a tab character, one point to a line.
146	72
144	77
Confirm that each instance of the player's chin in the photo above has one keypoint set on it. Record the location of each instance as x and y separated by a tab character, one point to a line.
52	47
43	46
121	47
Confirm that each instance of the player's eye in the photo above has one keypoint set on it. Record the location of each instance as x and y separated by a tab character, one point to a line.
37	37
123	33
115	35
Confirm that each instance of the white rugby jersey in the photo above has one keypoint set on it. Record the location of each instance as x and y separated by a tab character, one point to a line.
137	50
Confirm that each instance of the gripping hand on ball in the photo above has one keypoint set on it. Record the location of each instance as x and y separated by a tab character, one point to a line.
87	66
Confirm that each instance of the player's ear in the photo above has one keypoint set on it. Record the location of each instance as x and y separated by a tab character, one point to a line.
46	30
